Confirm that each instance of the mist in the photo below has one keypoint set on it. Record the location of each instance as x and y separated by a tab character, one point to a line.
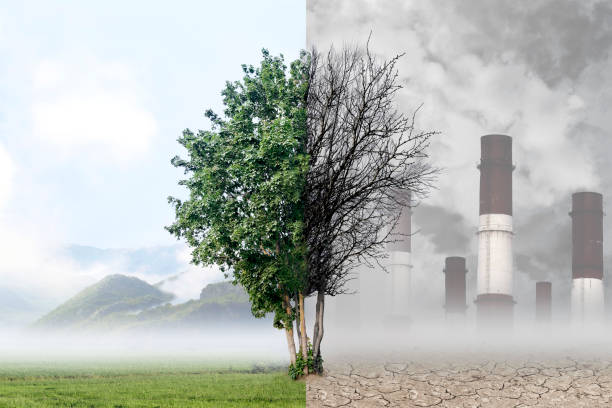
232	344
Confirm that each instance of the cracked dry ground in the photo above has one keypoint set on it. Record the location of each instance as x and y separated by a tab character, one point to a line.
451	381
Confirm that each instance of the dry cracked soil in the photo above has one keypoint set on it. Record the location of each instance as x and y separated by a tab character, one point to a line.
463	380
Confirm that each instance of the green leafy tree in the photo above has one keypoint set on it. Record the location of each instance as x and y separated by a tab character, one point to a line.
246	178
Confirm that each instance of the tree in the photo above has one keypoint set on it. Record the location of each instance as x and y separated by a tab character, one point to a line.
246	180
364	155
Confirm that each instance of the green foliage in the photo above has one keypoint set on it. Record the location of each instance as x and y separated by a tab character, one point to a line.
314	365
317	364
245	180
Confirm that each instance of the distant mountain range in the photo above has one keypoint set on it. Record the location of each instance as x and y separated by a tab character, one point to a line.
112	295
120	302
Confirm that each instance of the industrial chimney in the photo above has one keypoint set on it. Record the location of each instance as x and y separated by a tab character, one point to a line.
399	262
454	281
494	302
543	302
587	258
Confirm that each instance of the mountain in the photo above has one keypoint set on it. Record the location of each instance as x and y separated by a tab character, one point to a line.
113	294
223	292
119	302
167	264
220	304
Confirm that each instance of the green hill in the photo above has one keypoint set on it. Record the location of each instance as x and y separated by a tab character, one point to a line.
123	303
223	292
113	294
220	305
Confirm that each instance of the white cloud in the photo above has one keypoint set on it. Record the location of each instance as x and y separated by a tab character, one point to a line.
189	283
7	169
37	271
90	108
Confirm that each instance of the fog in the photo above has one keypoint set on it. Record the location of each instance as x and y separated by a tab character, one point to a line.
228	345
359	324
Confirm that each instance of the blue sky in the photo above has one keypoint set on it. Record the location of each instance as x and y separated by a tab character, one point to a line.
93	96
149	70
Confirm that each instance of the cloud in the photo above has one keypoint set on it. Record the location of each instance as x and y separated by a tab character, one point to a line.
90	108
169	266
7	169
449	235
46	275
35	270
192	279
557	38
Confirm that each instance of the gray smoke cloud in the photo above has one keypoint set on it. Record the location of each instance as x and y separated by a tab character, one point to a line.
450	234
536	70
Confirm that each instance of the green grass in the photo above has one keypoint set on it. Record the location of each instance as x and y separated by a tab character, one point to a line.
161	383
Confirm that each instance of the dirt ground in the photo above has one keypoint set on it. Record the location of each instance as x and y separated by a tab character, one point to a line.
464	380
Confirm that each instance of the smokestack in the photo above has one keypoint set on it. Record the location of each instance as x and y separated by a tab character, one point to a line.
543	302
587	258
400	265
494	301
454	281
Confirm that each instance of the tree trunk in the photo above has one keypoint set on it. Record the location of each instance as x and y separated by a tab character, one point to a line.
318	332
291	345
298	333
303	341
289	333
297	323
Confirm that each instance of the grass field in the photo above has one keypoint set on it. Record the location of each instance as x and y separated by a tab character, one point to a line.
151	383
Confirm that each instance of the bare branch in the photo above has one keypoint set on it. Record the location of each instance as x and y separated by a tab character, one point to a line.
363	154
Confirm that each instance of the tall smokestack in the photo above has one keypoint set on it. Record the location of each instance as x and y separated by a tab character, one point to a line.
587	258
543	302
494	301
454	281
400	251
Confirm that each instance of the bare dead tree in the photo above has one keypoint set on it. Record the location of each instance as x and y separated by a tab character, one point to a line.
363	151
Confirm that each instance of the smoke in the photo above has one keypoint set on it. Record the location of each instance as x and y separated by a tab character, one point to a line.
449	235
537	71
557	39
